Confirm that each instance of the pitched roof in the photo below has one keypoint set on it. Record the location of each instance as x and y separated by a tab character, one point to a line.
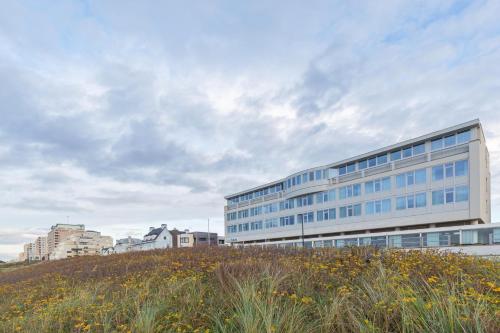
155	232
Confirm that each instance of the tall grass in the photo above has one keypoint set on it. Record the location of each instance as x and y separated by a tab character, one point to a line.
254	290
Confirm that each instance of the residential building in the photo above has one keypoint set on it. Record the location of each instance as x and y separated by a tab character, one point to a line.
123	245
29	252
156	238
61	232
440	179
197	238
82	244
41	248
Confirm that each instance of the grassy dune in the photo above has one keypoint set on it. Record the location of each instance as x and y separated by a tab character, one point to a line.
254	290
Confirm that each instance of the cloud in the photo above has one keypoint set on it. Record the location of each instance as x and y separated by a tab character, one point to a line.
157	113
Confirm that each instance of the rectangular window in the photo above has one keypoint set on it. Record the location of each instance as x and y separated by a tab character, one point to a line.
362	165
419	149
319	198
318	174
332	214
437	144
369	187
420	176
450	195
311	176
376	185
420	200
304	178
396	155
461	193
381	159
463	137
357	210
407	152
448	167
461	168
372	162
342	170
331	195
369	208
409	178
386	184
343	212
319	216
410	201
351	167
400	181
437	173
400	203
450	140
356	190
437	197
342	192
386	205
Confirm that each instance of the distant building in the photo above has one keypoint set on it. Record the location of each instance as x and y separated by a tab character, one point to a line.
28	253
197	238
82	244
123	245
156	238
221	240
61	232
41	248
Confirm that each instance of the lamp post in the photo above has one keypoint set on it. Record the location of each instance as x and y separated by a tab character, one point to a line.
302	220
208	233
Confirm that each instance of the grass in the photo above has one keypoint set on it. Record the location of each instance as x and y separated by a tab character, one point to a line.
255	290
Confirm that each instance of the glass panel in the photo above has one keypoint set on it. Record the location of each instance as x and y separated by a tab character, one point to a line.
409	178
362	165
357	210
469	237
372	162
436	144
461	168
395	241
369	208
450	141
318	174
433	239
356	189
342	193
462	193
342	170
437	173
448	167
343	212
351	167
420	176
407	152
386	205
420	200
331	214
400	203
396	155
496	235
449	195
463	137
386	184
410	200
400	181
369	187
328	243
382	159
419	149
438	197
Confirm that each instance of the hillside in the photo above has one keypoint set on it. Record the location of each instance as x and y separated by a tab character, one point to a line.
254	290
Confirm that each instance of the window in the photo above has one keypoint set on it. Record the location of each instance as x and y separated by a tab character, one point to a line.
351	167
318	174
461	168
420	176
437	173
351	210
350	191
437	197
381	159
437	144
419	149
461	193
448	167
342	170
420	200
386	205
450	141
409	178
386	184
396	155
372	162
400	181
449	195
370	208
400	203
287	220
407	152
410	201
256	225
362	165
325	215
463	137
271	223
377	185
332	214
311	176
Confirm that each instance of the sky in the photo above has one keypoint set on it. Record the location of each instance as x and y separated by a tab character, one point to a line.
127	114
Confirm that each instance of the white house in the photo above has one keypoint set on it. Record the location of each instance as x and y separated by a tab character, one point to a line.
156	238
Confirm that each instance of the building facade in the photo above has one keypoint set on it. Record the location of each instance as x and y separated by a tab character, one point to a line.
82	244
197	238
61	232
441	179
41	248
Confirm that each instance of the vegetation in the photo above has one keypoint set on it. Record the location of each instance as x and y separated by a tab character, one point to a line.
255	290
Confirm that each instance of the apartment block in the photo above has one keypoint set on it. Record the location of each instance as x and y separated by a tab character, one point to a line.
85	243
41	248
61	232
440	179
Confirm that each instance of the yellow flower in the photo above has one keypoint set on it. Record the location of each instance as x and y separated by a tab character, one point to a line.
306	300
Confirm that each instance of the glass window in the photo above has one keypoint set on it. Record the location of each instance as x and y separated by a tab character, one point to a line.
319	197
437	173
407	152
400	181
410	201
462	193
372	162
376	185
381	159
356	190
461	168
409	178
318	174
331	195
396	155
419	149
400	203
362	165
298	181
357	210
420	176
436	144
450	140
420	200
343	212
395	241
342	192
463	137
378	207
386	184
432	239
448	167
369	208
437	197
351	167
311	176
369	187
332	214
342	170
386	205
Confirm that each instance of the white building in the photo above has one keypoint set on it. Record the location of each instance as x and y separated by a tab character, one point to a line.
437	180
82	244
157	238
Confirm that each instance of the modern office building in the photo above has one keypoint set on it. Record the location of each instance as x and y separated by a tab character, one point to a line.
434	181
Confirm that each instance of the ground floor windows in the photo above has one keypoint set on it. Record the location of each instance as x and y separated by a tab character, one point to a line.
350	210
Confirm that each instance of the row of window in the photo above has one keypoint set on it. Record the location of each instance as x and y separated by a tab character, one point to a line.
383	206
306	177
256	194
416	177
450	140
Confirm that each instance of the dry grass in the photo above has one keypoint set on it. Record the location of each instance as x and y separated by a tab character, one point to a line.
254	290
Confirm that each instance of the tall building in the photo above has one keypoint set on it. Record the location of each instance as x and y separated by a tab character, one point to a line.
441	179
61	232
41	248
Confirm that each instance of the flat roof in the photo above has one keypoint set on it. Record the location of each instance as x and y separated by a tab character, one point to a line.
429	136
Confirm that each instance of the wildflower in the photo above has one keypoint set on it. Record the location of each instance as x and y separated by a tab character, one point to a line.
306	300
432	279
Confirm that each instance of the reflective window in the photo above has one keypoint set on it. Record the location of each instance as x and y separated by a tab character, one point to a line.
351	167
420	200
449	195
419	149
461	168
436	144
448	168
400	181
463	137
372	162
362	165
407	152
462	193
382	159
450	141
437	173
437	197
400	203
420	176
396	155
